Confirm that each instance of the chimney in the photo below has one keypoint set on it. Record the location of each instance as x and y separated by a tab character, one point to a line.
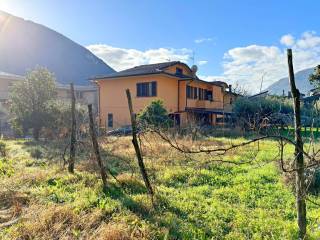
230	88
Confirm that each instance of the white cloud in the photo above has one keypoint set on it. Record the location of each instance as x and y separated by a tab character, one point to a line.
287	40
309	40
247	65
212	78
201	40
244	66
202	62
123	58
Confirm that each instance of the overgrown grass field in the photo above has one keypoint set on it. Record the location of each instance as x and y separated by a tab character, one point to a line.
196	196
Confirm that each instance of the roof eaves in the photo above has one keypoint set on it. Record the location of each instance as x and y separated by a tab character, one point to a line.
140	74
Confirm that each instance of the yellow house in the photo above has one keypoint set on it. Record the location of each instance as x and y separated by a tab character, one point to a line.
185	96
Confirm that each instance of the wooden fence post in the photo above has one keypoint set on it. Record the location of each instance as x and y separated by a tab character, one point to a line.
73	131
299	162
96	148
136	145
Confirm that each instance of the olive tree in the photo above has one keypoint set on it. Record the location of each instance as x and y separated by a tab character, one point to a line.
29	101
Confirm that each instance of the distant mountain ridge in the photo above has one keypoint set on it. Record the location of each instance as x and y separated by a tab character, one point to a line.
25	44
302	83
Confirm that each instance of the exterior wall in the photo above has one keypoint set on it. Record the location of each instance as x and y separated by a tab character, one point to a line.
90	97
5	84
113	97
82	96
185	70
229	99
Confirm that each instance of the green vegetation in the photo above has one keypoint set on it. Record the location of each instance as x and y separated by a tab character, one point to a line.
155	115
33	107
29	101
196	198
272	111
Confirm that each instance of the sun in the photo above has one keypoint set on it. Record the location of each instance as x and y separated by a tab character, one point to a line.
10	6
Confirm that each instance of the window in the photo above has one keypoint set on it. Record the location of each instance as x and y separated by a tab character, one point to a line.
179	71
201	94
208	95
195	93
192	92
147	89
110	120
188	92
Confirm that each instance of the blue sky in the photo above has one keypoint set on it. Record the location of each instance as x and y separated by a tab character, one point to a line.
238	41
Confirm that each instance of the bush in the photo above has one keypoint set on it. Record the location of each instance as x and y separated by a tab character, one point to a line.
36	153
155	115
264	111
3	149
314	186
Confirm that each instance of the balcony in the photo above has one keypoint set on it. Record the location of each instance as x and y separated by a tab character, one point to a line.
204	104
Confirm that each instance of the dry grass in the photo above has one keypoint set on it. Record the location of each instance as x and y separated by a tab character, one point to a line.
61	222
195	197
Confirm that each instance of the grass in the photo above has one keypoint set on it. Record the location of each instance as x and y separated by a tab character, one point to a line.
196	198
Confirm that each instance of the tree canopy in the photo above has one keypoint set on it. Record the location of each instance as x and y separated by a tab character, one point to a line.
314	77
30	100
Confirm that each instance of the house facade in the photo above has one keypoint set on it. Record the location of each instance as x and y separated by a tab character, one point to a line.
186	97
83	94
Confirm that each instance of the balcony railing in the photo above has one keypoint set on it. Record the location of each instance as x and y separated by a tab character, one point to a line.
204	104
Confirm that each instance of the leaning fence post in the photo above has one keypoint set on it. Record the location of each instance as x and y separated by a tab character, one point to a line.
299	162
136	145
73	131
96	148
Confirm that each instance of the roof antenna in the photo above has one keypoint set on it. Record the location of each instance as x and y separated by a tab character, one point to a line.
193	57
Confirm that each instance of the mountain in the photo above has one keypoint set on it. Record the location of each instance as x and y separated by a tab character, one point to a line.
302	83
25	44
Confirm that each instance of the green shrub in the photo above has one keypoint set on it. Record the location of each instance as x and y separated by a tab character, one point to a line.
3	149
6	168
155	115
314	186
36	153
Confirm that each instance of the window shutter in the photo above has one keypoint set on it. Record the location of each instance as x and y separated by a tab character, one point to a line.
138	90
154	89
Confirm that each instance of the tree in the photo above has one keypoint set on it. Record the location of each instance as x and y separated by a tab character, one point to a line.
314	77
270	110
29	101
155	114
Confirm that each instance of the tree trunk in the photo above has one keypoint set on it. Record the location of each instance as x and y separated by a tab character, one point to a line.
96	148
136	145
299	162
73	131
